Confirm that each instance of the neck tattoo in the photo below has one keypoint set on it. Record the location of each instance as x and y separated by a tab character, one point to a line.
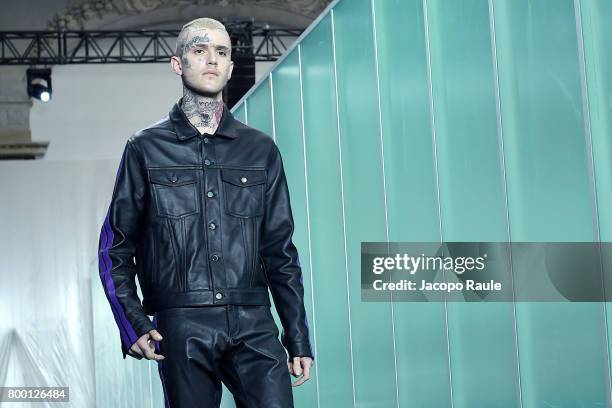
202	111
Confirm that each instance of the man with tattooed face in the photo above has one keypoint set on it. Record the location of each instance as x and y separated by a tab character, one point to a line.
203	60
201	214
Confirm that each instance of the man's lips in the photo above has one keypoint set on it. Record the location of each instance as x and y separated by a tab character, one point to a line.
212	73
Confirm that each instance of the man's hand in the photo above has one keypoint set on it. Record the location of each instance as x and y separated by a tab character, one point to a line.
144	346
298	366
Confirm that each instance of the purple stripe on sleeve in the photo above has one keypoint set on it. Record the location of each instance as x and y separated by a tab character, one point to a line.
102	265
128	333
105	264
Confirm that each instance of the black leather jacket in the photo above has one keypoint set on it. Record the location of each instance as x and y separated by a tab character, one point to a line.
201	220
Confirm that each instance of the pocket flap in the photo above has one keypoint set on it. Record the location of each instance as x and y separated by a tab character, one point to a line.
172	177
242	177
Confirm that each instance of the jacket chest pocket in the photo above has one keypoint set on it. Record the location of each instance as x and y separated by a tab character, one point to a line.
175	191
244	192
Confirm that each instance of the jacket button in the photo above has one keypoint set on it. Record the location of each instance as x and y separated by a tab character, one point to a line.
219	295
210	194
212	226
205	140
207	162
174	179
244	179
214	257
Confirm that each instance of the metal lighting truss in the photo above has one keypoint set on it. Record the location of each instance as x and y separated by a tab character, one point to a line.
143	46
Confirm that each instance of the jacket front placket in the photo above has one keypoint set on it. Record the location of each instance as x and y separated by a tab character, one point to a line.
212	217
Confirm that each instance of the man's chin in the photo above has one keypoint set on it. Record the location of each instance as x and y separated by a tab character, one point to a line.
206	92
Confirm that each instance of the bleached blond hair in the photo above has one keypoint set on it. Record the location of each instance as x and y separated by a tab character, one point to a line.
197	24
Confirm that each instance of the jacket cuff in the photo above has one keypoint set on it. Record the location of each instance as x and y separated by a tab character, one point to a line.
299	349
141	329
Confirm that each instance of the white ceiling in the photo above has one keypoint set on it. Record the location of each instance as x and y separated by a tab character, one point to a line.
151	14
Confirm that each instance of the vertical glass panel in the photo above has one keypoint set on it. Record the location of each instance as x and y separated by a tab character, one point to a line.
287	107
420	329
364	198
472	202
259	108
561	346
327	237
239	112
596	15
597	39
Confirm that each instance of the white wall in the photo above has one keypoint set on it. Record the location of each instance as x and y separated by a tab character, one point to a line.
95	108
56	327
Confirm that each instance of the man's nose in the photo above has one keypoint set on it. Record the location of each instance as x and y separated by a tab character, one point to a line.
212	59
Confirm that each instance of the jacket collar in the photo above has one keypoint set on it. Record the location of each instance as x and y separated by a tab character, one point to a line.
185	129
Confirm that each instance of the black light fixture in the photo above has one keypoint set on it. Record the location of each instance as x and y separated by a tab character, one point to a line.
39	83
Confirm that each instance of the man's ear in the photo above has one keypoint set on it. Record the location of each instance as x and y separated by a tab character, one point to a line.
175	64
229	74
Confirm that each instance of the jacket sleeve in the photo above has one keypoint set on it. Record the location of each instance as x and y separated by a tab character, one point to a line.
119	237
281	262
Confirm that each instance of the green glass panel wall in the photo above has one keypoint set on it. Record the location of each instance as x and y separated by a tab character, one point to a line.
561	345
259	108
326	211
597	66
429	120
409	169
287	129
373	341
481	336
239	112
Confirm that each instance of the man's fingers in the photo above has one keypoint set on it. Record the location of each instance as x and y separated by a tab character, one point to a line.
297	366
151	345
304	378
135	349
291	366
300	381
136	354
306	370
155	335
151	355
301	365
148	349
145	348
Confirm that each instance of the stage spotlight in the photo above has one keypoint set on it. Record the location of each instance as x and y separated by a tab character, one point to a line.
39	83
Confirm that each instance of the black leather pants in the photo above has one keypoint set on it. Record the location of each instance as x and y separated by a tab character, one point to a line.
238	345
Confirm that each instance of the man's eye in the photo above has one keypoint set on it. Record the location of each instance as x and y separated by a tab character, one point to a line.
223	53
199	50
